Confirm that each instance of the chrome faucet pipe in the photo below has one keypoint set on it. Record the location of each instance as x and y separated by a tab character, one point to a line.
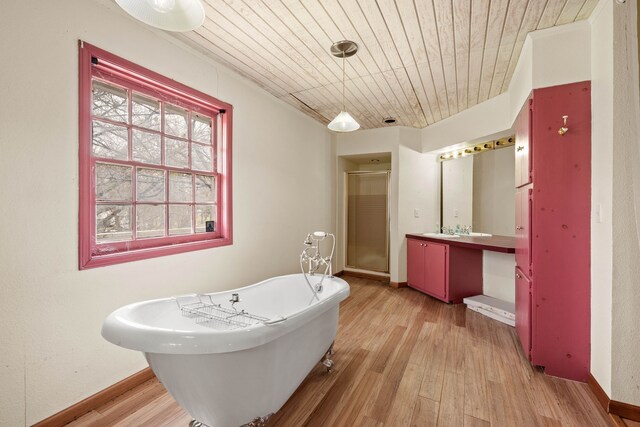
312	256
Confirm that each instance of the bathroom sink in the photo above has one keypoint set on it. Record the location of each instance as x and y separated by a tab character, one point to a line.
441	235
474	234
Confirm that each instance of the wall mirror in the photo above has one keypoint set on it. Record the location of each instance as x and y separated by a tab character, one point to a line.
478	190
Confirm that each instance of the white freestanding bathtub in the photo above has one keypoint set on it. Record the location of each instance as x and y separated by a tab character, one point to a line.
227	375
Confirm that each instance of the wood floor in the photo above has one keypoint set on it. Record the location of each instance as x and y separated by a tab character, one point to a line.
403	359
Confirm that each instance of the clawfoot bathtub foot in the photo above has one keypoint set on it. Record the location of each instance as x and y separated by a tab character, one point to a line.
326	360
328	363
256	422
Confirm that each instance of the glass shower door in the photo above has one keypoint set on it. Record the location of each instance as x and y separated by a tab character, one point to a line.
368	221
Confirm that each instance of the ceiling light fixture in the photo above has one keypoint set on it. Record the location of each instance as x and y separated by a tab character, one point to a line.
169	15
343	121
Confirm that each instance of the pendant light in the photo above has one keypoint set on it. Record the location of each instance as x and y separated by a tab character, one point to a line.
170	15
343	121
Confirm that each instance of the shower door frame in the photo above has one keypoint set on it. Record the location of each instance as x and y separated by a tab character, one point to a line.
346	220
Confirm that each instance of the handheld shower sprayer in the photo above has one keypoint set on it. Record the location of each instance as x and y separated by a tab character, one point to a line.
318	236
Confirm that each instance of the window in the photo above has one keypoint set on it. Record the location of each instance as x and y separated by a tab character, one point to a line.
155	164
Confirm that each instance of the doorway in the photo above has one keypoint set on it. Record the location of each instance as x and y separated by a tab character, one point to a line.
368	221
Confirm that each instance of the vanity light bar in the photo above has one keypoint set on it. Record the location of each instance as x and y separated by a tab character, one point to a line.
478	148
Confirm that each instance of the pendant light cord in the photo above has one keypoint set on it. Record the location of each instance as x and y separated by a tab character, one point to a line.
343	60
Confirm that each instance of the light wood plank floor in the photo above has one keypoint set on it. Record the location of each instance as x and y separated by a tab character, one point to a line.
403	359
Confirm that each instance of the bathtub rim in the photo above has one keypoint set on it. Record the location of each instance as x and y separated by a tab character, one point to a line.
134	335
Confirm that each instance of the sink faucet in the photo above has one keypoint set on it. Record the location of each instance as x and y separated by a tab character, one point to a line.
459	229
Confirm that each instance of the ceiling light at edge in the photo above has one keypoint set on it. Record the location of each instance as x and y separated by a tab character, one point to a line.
343	121
169	15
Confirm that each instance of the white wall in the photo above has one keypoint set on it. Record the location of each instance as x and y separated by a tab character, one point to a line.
615	222
457	192
494	192
625	340
487	118
551	57
498	270
601	194
419	188
52	353
368	167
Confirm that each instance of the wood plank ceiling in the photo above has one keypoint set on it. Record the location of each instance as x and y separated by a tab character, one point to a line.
419	61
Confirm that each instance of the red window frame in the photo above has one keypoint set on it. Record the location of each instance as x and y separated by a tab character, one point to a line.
99	64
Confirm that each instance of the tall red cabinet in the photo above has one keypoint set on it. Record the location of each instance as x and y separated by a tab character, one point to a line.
553	238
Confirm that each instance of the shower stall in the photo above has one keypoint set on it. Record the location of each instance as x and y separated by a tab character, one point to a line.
368	221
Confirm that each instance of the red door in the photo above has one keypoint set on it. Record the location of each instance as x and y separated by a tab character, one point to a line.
523	229
435	275
415	263
523	312
523	145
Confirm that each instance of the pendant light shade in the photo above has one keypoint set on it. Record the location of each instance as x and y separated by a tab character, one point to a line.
170	15
343	121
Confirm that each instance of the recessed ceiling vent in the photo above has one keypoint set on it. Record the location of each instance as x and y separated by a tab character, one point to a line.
389	120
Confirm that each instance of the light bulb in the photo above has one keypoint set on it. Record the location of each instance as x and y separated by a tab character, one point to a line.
162	6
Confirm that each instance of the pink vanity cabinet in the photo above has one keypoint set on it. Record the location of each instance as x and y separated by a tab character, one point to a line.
523	228
449	273
427	267
553	237
523	311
